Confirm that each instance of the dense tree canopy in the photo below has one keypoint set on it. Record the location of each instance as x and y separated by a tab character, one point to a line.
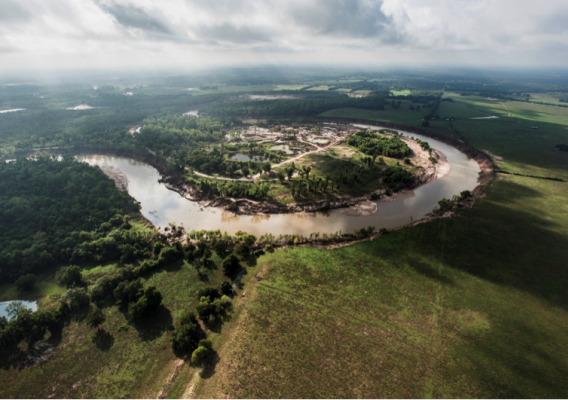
45	205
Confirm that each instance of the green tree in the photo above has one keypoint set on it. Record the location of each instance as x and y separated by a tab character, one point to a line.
25	283
95	318
199	355
186	338
71	276
230	265
266	167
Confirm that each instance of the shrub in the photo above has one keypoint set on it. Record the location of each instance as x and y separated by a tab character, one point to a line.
127	292
221	247
188	318
95	318
186	338
147	304
78	299
210	293
226	288
230	265
71	276
25	283
445	205
466	194
104	287
200	354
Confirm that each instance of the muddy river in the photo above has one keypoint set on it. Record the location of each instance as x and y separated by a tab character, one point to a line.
161	206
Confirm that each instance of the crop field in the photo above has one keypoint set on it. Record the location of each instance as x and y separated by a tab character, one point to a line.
403	115
404	92
290	87
550	98
520	148
320	88
459	307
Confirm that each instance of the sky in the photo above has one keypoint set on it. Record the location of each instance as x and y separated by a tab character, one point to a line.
56	34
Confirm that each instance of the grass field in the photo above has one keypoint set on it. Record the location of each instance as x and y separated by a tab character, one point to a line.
469	306
320	88
403	115
523	149
127	361
405	92
472	306
289	87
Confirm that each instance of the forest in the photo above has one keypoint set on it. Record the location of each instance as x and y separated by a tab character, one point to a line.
377	145
307	104
46	207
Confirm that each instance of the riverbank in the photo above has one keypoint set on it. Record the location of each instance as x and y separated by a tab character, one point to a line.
352	206
427	172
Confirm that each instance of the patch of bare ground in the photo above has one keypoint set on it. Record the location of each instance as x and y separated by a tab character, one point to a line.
120	180
177	364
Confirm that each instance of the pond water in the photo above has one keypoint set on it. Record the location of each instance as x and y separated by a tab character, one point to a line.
12	110
28	304
318	141
194	113
161	206
245	157
282	147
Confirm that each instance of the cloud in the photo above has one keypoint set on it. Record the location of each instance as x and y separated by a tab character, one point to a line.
292	30
342	18
133	17
12	11
229	33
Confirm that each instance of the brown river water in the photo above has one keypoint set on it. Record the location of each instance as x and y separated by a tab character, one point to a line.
162	206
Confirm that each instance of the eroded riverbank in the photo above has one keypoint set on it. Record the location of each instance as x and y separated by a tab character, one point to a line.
160	205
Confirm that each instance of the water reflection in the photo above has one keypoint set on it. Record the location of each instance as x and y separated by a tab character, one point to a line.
257	219
161	206
229	217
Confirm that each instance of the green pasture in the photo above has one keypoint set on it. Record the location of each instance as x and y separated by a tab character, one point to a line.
320	88
125	360
471	306
403	115
289	87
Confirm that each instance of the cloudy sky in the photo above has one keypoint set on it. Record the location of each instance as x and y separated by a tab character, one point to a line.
196	33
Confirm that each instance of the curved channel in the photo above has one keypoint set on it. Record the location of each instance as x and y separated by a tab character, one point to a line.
162	206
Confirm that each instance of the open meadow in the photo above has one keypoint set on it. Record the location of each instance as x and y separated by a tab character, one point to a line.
458	307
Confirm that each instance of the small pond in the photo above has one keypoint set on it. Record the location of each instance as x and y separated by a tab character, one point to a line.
12	110
318	141
28	304
245	157
282	147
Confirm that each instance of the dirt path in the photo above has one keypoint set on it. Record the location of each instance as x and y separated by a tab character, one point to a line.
254	177
504	106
